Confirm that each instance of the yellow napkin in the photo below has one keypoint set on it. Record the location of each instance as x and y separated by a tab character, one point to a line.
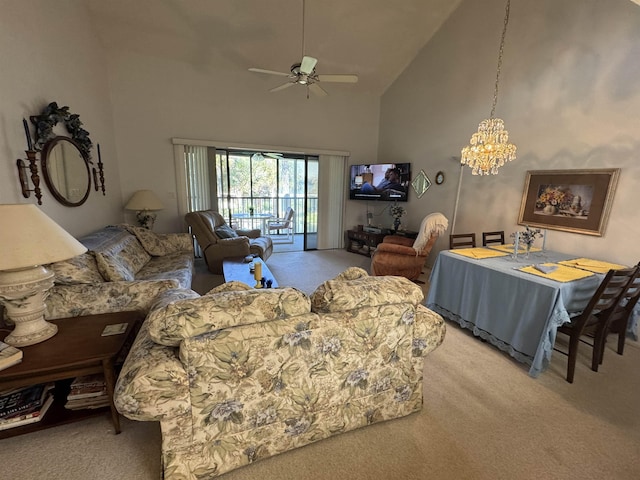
595	266
561	274
509	248
478	252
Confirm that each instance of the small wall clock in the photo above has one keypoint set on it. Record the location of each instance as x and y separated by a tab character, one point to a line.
439	178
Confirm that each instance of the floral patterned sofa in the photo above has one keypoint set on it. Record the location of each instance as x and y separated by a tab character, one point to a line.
238	374
125	268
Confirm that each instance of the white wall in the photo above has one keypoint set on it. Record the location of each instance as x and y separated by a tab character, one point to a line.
569	95
50	53
156	99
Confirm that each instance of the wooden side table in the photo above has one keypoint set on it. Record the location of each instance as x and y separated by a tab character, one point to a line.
77	349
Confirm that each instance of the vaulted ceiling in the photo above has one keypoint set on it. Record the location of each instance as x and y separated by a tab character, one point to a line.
375	39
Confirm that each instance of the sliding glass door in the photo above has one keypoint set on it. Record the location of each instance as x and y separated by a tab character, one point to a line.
252	186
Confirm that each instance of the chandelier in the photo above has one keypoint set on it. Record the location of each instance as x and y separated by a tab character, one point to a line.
489	148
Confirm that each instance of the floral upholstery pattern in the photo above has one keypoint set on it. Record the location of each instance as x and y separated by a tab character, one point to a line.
246	374
118	273
77	270
160	244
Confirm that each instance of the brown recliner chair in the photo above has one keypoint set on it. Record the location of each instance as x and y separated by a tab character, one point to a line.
219	241
405	257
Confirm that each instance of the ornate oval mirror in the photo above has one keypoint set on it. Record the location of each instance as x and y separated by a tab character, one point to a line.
66	171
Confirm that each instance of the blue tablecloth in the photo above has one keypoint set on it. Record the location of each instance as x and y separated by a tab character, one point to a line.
516	311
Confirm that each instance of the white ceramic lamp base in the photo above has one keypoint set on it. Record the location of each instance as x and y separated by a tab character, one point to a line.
23	293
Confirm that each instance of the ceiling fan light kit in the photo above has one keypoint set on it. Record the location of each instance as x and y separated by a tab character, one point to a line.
304	73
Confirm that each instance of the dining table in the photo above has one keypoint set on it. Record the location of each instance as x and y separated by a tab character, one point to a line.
515	302
249	219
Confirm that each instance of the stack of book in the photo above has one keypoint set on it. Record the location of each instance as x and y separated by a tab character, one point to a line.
89	391
22	406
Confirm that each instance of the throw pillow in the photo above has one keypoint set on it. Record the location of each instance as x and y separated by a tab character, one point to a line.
225	231
149	240
77	270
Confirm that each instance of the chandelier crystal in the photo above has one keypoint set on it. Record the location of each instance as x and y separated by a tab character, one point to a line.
489	148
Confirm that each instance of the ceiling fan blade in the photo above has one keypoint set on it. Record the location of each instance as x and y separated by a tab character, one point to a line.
282	87
338	78
317	89
270	72
273	155
308	64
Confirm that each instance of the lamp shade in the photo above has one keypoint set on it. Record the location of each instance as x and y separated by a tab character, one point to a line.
29	238
144	200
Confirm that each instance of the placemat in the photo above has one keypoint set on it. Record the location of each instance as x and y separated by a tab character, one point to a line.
509	248
478	252
562	274
591	265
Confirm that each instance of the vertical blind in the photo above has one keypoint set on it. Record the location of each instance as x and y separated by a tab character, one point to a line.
199	178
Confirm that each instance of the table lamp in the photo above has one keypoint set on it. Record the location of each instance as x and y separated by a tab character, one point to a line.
145	202
29	240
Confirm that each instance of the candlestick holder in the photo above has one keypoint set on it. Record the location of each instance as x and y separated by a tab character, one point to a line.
35	177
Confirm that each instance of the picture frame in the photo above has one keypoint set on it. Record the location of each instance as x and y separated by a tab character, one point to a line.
577	201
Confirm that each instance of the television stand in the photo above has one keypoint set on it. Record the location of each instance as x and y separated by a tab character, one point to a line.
362	242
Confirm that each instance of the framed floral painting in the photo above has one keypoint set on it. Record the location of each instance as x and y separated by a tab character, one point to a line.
571	200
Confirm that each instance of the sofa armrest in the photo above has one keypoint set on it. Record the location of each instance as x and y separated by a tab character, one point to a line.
92	298
395	248
153	383
252	233
428	331
228	247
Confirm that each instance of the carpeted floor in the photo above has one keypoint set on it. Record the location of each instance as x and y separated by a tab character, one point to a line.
483	418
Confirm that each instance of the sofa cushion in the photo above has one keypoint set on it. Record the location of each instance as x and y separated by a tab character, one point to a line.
225	231
180	314
77	270
177	266
122	258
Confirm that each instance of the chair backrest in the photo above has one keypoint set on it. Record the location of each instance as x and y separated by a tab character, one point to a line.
607	296
203	224
288	216
492	237
462	240
624	308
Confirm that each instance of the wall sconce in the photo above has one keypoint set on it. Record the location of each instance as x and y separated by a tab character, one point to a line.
32	168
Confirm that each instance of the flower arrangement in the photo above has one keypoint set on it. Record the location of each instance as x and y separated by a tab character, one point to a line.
397	211
528	236
560	197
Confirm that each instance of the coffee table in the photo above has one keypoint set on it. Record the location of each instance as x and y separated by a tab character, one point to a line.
235	268
77	349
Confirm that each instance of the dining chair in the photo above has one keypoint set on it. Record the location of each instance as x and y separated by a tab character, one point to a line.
462	240
618	320
594	318
493	237
286	224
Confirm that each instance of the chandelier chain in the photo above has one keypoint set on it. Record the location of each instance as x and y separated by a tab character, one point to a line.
500	51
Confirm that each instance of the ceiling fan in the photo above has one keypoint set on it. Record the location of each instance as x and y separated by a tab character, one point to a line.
304	73
261	155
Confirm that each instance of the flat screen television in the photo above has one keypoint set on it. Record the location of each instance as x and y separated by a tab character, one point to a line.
380	181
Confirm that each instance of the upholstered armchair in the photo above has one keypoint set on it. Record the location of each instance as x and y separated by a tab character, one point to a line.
219	241
405	257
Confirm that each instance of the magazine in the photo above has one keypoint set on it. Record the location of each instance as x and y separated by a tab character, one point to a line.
9	356
27	418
